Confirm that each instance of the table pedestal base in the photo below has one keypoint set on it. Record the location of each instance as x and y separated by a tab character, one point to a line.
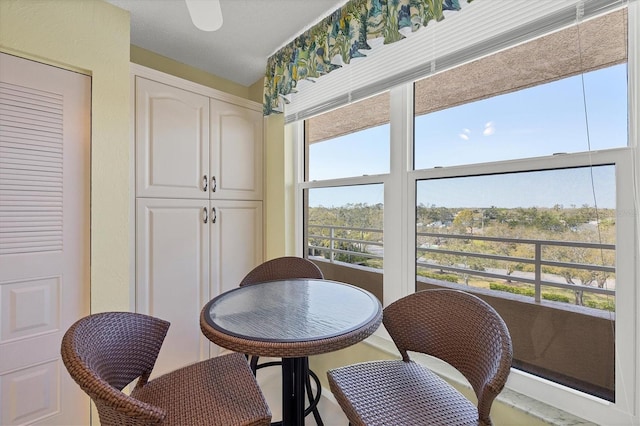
294	380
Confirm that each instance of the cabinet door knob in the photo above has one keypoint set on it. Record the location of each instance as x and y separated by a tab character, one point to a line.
205	181
214	184
214	215
205	215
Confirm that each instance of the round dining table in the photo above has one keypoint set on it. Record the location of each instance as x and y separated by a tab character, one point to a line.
291	319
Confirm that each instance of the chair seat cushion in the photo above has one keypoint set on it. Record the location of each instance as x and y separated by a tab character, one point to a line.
398	393
222	388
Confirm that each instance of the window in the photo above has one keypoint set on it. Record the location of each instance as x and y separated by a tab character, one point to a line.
516	184
345	224
347	161
515	202
350	141
542	252
542	120
365	152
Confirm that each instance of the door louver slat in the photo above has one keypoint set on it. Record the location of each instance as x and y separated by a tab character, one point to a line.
30	170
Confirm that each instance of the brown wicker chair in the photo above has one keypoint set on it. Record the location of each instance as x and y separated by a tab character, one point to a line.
106	352
282	268
451	325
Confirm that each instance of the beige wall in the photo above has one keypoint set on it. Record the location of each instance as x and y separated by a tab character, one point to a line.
150	59
256	91
276	227
91	37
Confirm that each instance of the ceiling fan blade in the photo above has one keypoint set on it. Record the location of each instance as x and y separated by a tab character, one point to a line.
205	14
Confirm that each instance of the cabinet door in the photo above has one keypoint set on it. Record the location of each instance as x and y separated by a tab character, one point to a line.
172	141
236	152
236	242
172	268
236	245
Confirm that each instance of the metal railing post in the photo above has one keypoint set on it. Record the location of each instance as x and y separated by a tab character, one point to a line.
331	244
538	274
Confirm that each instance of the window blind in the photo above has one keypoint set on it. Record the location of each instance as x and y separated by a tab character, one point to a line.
464	36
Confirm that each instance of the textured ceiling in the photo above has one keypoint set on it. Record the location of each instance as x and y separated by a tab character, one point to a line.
252	30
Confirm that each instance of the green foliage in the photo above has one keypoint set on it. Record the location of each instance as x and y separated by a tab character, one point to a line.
557	223
464	221
598	301
552	220
350	258
357	215
556	297
512	289
441	277
607	305
525	291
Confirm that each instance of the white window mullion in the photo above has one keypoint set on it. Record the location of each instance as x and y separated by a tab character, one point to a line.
630	363
409	191
395	202
296	132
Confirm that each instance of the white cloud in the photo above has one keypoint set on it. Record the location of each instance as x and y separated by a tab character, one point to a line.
489	129
464	136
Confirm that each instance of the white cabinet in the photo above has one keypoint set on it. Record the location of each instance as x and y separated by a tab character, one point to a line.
198	204
172	141
189	251
236	238
236	158
191	146
172	274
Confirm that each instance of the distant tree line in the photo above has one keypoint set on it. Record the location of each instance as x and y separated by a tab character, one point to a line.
557	223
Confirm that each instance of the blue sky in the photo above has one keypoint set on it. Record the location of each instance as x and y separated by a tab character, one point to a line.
566	187
539	121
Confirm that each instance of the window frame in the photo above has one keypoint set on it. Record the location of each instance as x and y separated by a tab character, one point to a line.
539	388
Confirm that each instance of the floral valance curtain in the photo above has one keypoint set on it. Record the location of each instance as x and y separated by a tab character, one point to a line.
344	34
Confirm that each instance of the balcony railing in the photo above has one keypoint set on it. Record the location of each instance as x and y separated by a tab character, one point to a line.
348	241
336	243
578	341
537	261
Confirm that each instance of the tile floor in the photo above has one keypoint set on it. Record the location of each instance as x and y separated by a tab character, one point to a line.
270	381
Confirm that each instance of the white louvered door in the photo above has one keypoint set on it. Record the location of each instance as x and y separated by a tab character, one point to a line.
44	237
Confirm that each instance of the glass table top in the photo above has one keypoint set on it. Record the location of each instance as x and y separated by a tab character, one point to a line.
292	310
